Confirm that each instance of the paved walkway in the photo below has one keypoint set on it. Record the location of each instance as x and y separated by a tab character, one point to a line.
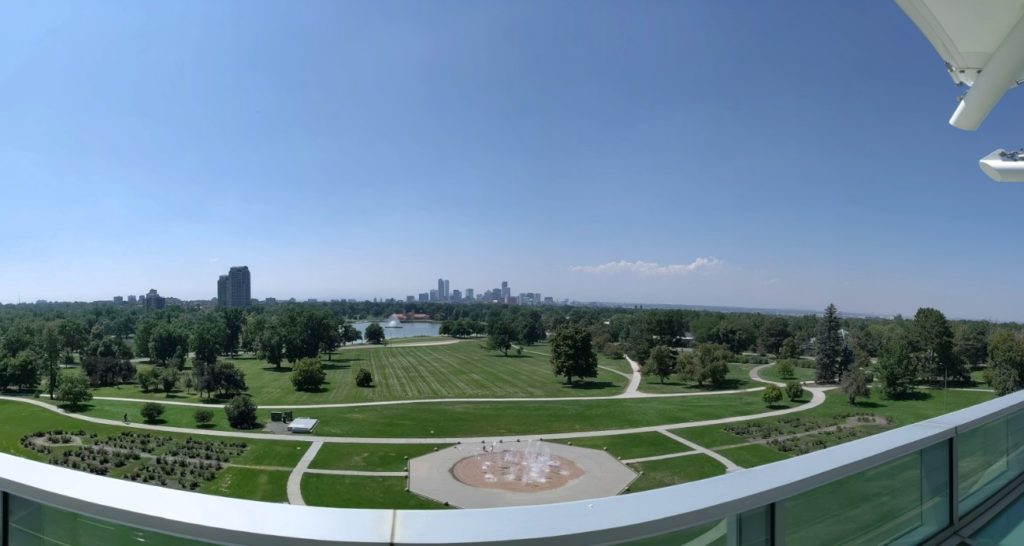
660	457
633	390
437	400
356	473
295	478
729	465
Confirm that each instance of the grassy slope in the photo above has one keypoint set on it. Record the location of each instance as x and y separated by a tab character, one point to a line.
462	370
802	374
373	457
250	483
674	471
631	446
459	419
360	492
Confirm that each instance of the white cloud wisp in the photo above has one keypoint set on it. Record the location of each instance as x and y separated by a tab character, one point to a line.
651	268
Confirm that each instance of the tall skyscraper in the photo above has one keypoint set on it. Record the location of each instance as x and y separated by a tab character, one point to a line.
235	288
469	293
447	291
506	292
222	291
440	290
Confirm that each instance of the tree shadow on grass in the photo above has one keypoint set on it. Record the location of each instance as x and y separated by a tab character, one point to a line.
155	422
868	404
916	396
206	426
76	408
275	369
591	385
319	390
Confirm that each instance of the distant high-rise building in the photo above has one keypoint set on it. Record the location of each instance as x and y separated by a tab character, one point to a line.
410	299
424	296
235	288
118	299
447	293
469	293
154	300
506	292
456	295
434	295
222	291
131	299
440	290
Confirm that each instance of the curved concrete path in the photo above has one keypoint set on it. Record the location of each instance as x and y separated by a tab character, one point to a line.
295	478
633	389
439	400
817	398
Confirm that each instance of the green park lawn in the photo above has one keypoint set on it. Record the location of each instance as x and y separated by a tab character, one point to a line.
927	404
752	455
631	446
361	492
676	470
461	419
737	378
800	374
370	457
250	483
460	370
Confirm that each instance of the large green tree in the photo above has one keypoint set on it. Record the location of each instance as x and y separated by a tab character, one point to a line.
500	335
572	354
896	370
1005	362
707	363
308	375
374	333
932	344
832	354
662	363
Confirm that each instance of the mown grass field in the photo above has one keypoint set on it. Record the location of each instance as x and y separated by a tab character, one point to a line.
462	419
631	446
250	483
370	457
460	370
799	374
674	471
361	492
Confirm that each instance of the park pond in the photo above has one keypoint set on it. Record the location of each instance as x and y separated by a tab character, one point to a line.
397	330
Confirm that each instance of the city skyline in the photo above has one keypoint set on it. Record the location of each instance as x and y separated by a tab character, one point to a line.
585	162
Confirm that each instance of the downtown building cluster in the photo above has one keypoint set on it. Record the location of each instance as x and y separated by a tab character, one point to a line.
444	294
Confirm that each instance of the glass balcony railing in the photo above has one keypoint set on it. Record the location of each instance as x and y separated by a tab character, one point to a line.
918	484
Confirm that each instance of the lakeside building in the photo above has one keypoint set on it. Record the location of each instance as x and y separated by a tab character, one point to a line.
234	290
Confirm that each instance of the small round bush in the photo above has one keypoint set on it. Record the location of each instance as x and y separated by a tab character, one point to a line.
241	412
794	390
772	395
364	378
151	411
203	416
785	369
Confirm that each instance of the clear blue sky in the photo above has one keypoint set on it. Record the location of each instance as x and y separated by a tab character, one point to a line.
763	154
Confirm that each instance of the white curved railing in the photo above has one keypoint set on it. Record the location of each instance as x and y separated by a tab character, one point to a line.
762	505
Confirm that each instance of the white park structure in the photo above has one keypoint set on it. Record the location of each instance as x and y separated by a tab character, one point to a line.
303	425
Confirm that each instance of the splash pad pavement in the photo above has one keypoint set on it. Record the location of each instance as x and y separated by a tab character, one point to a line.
516	473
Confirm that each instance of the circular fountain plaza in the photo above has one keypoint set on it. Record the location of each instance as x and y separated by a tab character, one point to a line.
495	474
